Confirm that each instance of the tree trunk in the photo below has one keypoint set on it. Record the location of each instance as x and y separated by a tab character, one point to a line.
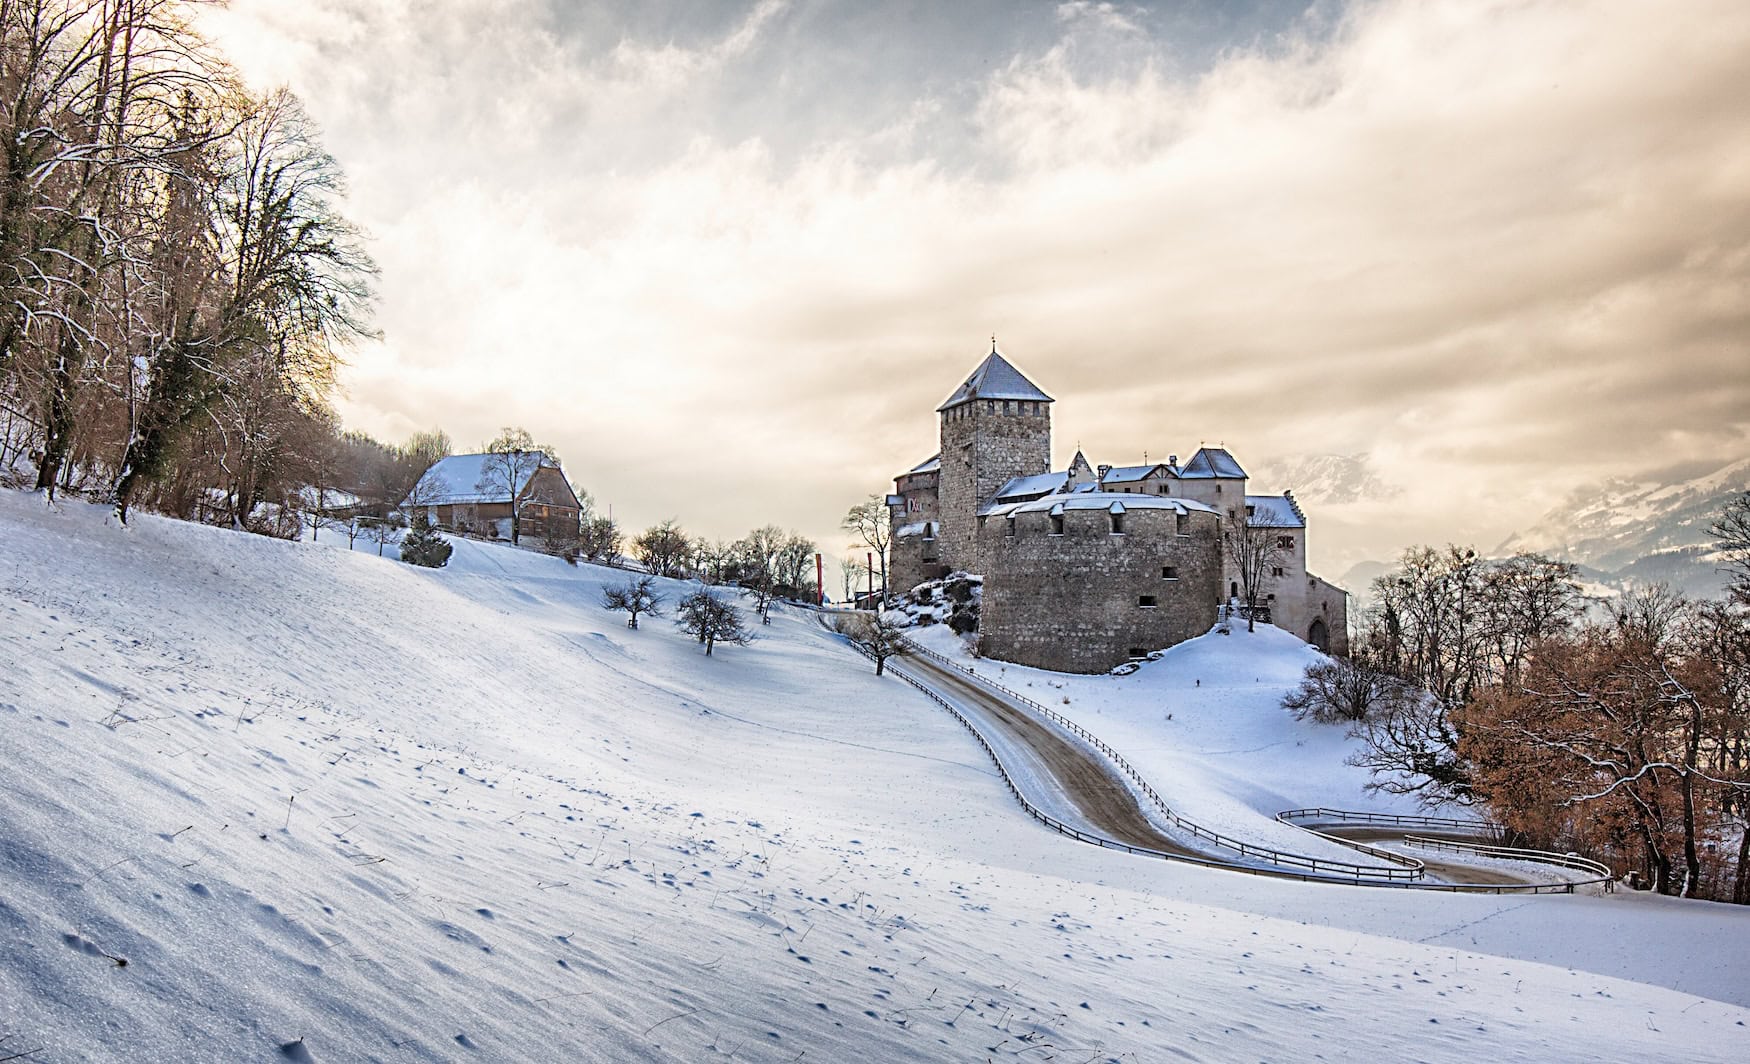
58	424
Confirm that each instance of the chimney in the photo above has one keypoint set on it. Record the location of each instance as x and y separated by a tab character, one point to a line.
1173	460
1103	470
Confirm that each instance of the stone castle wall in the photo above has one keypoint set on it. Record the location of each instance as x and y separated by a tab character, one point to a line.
1074	602
985	443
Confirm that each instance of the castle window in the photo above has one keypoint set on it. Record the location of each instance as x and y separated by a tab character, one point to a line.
1269	598
1009	407
990	406
1009	528
1276	571
1147	602
1057	524
1135	653
1117	524
1183	525
1285	542
1169	572
1218	488
930	532
1251	511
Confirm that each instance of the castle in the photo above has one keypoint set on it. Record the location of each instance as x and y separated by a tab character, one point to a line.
1091	566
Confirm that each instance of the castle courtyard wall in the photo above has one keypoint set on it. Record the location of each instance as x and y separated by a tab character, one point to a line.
1073	602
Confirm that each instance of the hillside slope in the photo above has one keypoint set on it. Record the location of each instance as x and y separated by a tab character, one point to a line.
329	807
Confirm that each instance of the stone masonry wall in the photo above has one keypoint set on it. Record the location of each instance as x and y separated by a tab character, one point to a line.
982	449
1072	602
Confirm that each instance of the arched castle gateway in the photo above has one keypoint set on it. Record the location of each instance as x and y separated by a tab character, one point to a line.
1087	567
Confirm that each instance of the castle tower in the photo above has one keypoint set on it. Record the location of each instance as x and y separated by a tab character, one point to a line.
995	427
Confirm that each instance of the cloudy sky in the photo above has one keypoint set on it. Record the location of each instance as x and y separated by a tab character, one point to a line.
728	257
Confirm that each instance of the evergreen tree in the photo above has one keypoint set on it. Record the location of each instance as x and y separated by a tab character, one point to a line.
423	546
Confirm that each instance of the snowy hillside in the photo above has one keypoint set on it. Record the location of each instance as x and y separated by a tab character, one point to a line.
285	801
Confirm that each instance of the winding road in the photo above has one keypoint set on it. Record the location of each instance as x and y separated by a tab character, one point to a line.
1043	755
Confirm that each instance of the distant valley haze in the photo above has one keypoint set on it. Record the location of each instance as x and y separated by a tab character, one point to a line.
1441	263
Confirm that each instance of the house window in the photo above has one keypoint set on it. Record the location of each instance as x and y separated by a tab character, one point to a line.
1218	489
1269	598
1169	572
1164	489
990	406
1057	524
1285	542
1183	525
1276	571
1147	602
1251	511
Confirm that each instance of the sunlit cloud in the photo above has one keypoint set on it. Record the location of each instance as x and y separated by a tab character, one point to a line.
729	263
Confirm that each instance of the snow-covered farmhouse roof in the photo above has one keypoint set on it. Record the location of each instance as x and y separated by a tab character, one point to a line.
1274	511
1212	462
995	379
462	479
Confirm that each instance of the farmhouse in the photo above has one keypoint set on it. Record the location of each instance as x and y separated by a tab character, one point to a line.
472	493
1089	566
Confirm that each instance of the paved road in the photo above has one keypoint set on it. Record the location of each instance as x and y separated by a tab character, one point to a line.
1105	803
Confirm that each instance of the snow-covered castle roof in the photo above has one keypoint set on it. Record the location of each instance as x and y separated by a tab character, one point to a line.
995	378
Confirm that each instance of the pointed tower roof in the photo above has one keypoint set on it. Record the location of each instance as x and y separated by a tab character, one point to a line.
995	378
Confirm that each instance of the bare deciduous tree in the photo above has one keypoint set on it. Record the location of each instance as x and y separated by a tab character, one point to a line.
1254	546
634	597
872	524
663	549
711	620
511	460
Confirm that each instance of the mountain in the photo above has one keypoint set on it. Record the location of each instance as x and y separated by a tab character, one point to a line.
1641	531
1329	479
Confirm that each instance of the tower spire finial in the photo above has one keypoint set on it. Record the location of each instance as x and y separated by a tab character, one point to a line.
993	343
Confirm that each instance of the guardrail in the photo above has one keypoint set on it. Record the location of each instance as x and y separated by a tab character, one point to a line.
1321	814
1597	871
1404	868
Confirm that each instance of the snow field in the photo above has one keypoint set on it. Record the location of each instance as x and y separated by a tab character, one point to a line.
330	807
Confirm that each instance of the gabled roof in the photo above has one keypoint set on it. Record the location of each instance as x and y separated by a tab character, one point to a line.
461	479
1211	462
995	379
932	464
1125	474
1274	511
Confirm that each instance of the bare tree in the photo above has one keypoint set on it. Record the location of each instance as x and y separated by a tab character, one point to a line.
1346	690
879	638
711	620
756	563
634	597
872	524
1255	546
663	549
850	571
1732	530
511	460
599	539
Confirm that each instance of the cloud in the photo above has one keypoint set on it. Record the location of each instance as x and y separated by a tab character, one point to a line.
730	268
